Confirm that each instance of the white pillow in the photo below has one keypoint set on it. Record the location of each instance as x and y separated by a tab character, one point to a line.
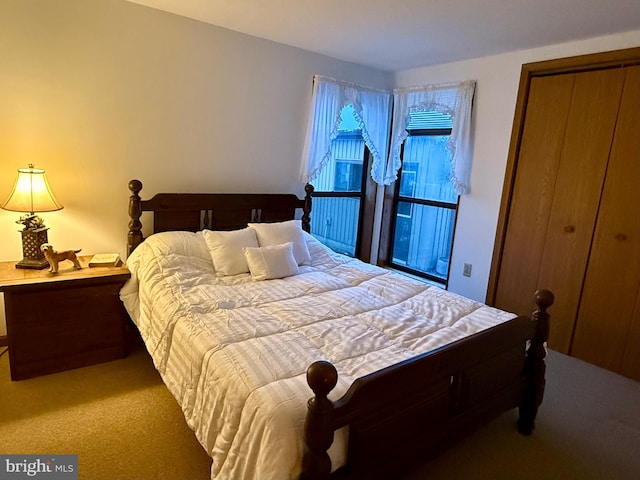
188	244
283	232
225	249
275	261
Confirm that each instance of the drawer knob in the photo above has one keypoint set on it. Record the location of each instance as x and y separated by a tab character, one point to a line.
621	237
569	229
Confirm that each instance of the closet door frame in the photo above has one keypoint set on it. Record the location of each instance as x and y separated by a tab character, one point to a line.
581	63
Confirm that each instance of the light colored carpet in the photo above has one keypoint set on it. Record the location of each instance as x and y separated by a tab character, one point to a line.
118	417
588	428
124	424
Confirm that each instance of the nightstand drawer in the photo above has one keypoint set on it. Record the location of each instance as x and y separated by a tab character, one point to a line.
62	324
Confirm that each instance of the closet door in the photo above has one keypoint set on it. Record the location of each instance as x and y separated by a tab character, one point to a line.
565	145
548	107
583	164
606	332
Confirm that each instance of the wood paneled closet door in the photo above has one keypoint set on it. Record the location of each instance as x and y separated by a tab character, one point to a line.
568	186
607	329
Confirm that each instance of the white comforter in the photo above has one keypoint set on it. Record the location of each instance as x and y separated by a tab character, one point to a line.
234	352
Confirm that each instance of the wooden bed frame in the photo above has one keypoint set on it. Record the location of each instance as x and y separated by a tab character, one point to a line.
405	413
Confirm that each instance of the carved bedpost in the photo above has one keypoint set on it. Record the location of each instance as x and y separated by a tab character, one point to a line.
322	377
534	364
306	217
134	238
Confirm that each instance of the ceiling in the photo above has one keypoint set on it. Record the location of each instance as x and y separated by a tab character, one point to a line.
396	35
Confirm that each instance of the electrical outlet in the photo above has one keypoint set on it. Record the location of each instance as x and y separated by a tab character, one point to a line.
466	270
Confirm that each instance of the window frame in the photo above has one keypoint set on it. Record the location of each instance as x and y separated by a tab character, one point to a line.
366	208
390	223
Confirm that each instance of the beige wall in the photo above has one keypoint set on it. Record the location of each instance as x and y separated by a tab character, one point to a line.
98	92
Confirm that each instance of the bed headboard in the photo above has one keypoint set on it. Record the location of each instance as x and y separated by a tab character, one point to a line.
213	211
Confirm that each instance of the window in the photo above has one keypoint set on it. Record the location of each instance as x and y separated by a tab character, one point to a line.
339	189
425	202
440	117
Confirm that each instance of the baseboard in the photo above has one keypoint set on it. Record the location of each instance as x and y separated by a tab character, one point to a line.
3	341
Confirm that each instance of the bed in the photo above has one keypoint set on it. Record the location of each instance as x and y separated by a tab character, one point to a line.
292	361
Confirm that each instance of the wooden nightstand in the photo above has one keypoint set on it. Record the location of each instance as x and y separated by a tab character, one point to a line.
61	321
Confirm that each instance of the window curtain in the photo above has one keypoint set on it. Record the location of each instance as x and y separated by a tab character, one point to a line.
454	99
372	110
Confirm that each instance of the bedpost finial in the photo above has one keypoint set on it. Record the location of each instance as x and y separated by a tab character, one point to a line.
544	299
322	377
135	186
308	188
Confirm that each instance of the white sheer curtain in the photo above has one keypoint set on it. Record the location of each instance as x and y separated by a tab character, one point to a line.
372	110
454	99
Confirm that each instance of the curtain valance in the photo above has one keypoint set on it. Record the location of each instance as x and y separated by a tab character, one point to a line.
372	109
373	112
454	99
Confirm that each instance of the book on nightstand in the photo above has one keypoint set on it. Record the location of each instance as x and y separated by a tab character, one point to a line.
105	260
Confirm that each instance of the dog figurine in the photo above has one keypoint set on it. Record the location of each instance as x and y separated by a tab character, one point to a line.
54	257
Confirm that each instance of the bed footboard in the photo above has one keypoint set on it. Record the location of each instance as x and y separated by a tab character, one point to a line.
418	407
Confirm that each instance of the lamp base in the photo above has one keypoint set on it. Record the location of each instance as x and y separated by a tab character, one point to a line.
32	264
33	256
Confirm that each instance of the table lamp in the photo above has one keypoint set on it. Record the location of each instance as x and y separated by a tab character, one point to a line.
31	194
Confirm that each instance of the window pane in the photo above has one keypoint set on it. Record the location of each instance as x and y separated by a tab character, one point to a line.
426	159
423	229
343	171
348	176
335	223
348	121
335	220
423	238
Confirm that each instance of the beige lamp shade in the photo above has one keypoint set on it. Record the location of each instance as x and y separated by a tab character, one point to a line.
31	193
